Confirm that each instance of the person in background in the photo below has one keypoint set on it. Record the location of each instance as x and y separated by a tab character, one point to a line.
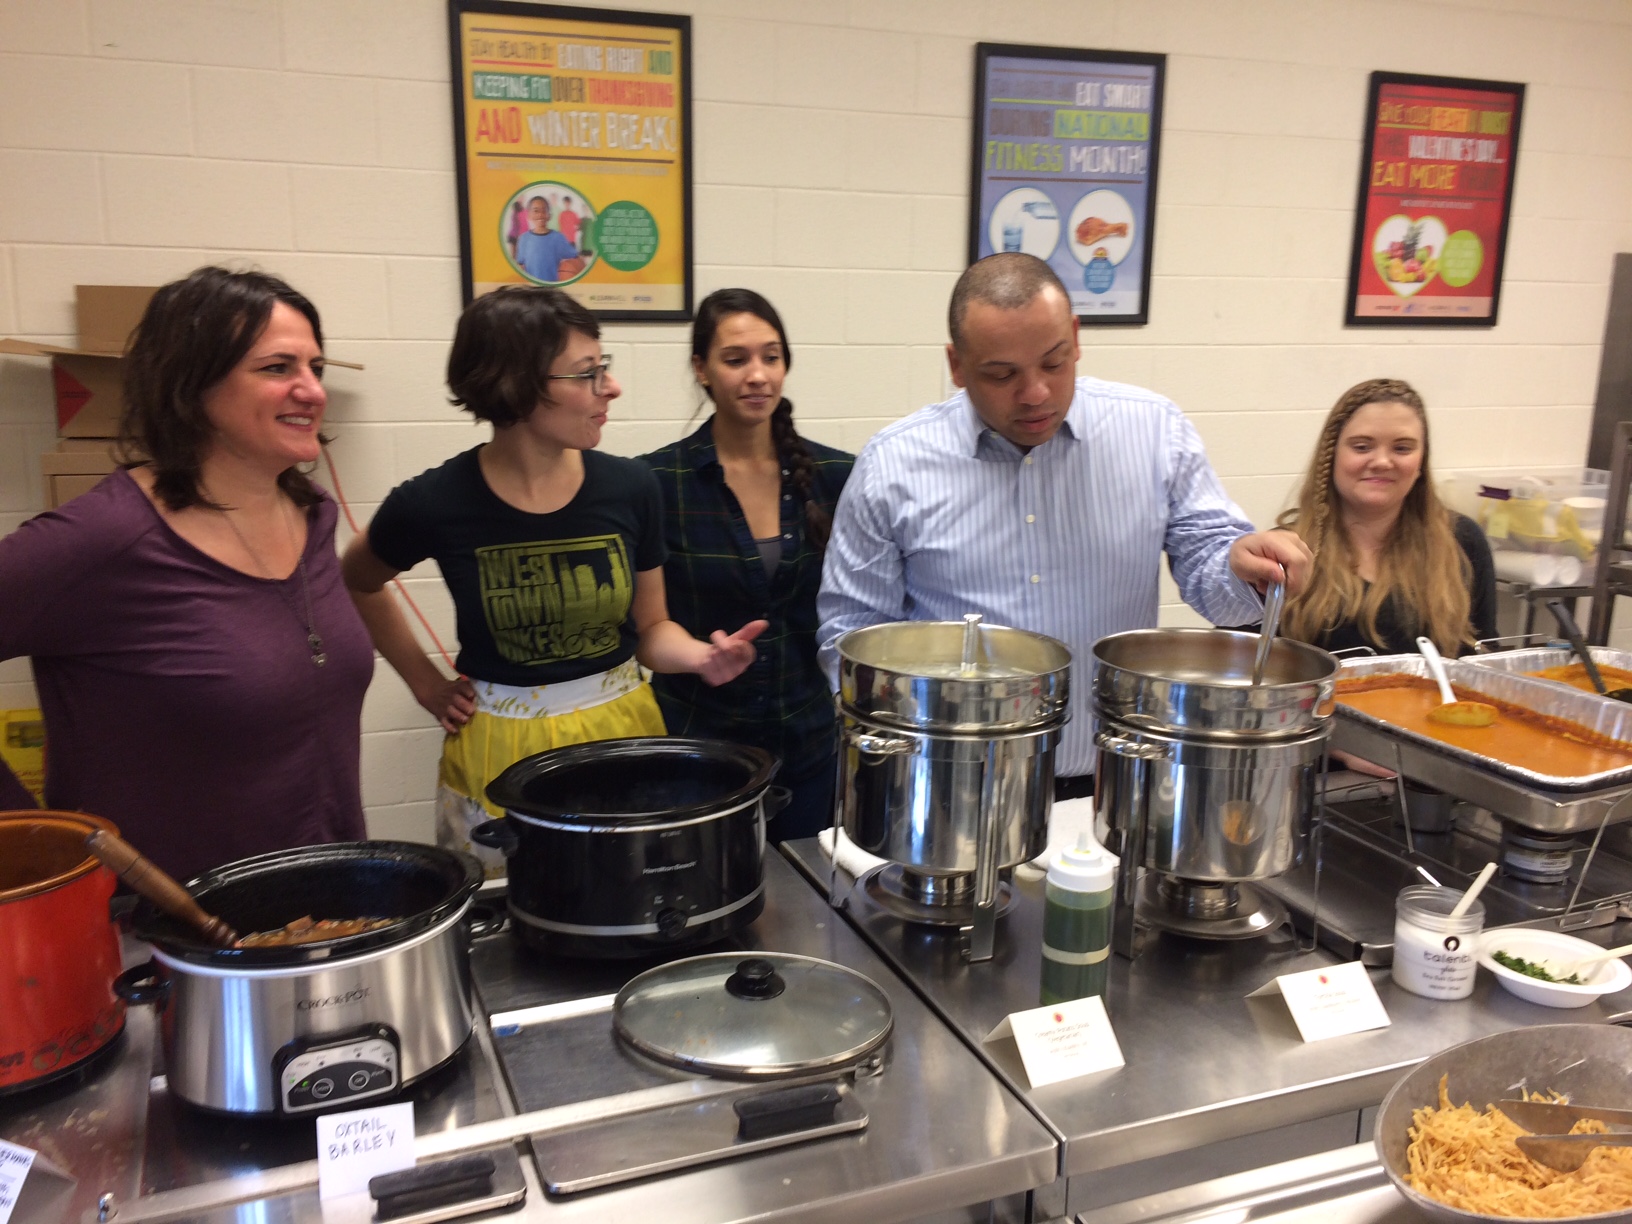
748	507
569	221
200	667
1392	563
545	254
552	551
1039	499
518	226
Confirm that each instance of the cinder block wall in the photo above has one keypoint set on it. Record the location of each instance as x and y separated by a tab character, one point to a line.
141	138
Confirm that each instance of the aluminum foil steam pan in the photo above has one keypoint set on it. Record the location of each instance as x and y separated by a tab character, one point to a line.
1520	661
1608	718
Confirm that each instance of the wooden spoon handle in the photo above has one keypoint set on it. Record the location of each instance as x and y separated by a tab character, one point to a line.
126	862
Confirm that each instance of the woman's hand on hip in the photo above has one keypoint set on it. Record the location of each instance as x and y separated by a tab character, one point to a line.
450	702
728	655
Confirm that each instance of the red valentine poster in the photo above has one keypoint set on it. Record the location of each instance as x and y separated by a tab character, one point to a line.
1436	186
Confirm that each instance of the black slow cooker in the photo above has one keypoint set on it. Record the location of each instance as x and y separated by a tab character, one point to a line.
629	847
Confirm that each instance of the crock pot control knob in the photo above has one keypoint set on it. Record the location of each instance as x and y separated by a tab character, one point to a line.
671	923
755	978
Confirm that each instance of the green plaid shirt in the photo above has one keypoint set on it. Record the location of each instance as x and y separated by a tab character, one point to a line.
716	580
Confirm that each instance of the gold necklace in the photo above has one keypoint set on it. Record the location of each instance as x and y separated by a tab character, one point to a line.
313	642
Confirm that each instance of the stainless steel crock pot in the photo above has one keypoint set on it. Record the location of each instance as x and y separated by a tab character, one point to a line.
636	846
948	732
321	1026
1204	777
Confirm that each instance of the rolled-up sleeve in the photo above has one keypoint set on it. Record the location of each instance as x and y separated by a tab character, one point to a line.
1202	524
864	574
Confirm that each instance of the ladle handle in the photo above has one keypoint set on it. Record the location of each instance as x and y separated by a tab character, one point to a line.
126	862
971	642
1436	668
1578	643
1273	599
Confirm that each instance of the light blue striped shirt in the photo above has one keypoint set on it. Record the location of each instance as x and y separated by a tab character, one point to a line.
943	516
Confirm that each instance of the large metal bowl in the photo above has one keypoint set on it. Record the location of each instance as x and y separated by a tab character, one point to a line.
908	674
1198	683
1589	1063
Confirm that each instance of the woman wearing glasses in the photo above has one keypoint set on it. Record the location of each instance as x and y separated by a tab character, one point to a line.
553	554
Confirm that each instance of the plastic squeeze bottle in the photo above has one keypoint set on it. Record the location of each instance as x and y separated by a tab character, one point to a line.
1077	922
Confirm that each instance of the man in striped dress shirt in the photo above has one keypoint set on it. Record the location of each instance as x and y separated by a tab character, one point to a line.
1040	500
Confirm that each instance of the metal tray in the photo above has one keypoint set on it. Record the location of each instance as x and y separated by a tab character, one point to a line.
1519	662
1544	802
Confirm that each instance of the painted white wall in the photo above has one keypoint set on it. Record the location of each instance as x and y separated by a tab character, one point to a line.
141	138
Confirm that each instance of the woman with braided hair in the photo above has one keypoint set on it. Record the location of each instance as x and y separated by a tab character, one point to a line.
1392	562
748	506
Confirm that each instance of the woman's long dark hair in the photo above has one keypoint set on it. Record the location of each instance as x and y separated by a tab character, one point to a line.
192	335
791	450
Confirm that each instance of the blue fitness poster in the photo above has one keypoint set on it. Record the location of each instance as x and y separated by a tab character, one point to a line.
1065	169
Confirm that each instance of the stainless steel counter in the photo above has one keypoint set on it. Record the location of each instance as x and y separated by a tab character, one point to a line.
944	1131
1203	1062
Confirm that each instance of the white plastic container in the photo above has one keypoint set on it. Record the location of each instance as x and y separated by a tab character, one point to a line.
1435	955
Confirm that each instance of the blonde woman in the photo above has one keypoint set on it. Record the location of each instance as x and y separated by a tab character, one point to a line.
1391	561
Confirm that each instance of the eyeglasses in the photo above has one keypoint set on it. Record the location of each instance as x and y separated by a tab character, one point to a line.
595	376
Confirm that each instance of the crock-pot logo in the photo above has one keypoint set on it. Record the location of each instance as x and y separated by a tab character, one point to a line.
1452	943
670	867
339	1000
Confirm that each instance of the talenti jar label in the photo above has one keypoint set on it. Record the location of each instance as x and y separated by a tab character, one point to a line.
1435	955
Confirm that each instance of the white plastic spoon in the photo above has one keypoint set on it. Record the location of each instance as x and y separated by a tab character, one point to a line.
1588	962
1450	710
1472	895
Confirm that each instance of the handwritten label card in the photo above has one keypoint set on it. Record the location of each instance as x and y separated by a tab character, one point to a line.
1062	1041
353	1147
1329	1002
15	1163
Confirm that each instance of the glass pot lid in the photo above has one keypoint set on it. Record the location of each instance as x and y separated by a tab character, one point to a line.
752	1014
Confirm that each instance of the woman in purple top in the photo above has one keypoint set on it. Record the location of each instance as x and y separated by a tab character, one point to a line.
199	662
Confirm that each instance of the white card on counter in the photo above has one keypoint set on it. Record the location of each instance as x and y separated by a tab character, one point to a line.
1062	1041
15	1162
1329	1002
353	1147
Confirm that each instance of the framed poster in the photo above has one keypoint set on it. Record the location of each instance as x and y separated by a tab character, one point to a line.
573	146
1436	188
1064	168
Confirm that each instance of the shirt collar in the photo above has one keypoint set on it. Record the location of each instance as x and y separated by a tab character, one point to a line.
976	434
699	447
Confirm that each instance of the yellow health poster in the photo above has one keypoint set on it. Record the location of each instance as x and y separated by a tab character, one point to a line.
574	130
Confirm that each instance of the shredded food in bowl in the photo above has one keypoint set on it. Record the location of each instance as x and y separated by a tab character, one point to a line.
1469	1160
309	930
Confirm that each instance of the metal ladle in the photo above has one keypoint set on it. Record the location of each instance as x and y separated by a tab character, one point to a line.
1274	598
1572	632
971	643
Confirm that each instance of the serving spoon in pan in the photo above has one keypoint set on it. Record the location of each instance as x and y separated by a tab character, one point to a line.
1450	711
1578	643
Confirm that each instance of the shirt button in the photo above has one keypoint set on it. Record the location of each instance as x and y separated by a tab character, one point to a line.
789	536
787	497
1031	518
1028	459
1036	577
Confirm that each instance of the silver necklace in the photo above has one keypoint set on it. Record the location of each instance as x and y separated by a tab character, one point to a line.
313	642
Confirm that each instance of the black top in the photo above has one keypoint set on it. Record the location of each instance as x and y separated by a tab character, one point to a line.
1395	638
716	579
540	598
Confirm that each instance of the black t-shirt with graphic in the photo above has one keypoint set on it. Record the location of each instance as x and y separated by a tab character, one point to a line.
540	598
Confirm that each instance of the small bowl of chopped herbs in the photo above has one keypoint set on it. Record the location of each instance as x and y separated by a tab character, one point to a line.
1540	966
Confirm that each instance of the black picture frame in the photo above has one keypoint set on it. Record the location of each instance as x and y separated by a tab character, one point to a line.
982	197
1410	316
521	9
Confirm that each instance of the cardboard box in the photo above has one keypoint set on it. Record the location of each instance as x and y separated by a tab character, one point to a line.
75	467
88	378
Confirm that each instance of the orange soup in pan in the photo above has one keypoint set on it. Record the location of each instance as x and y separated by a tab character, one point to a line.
1575	674
1519	737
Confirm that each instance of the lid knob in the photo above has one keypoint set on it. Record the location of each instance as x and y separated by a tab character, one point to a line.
755	978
